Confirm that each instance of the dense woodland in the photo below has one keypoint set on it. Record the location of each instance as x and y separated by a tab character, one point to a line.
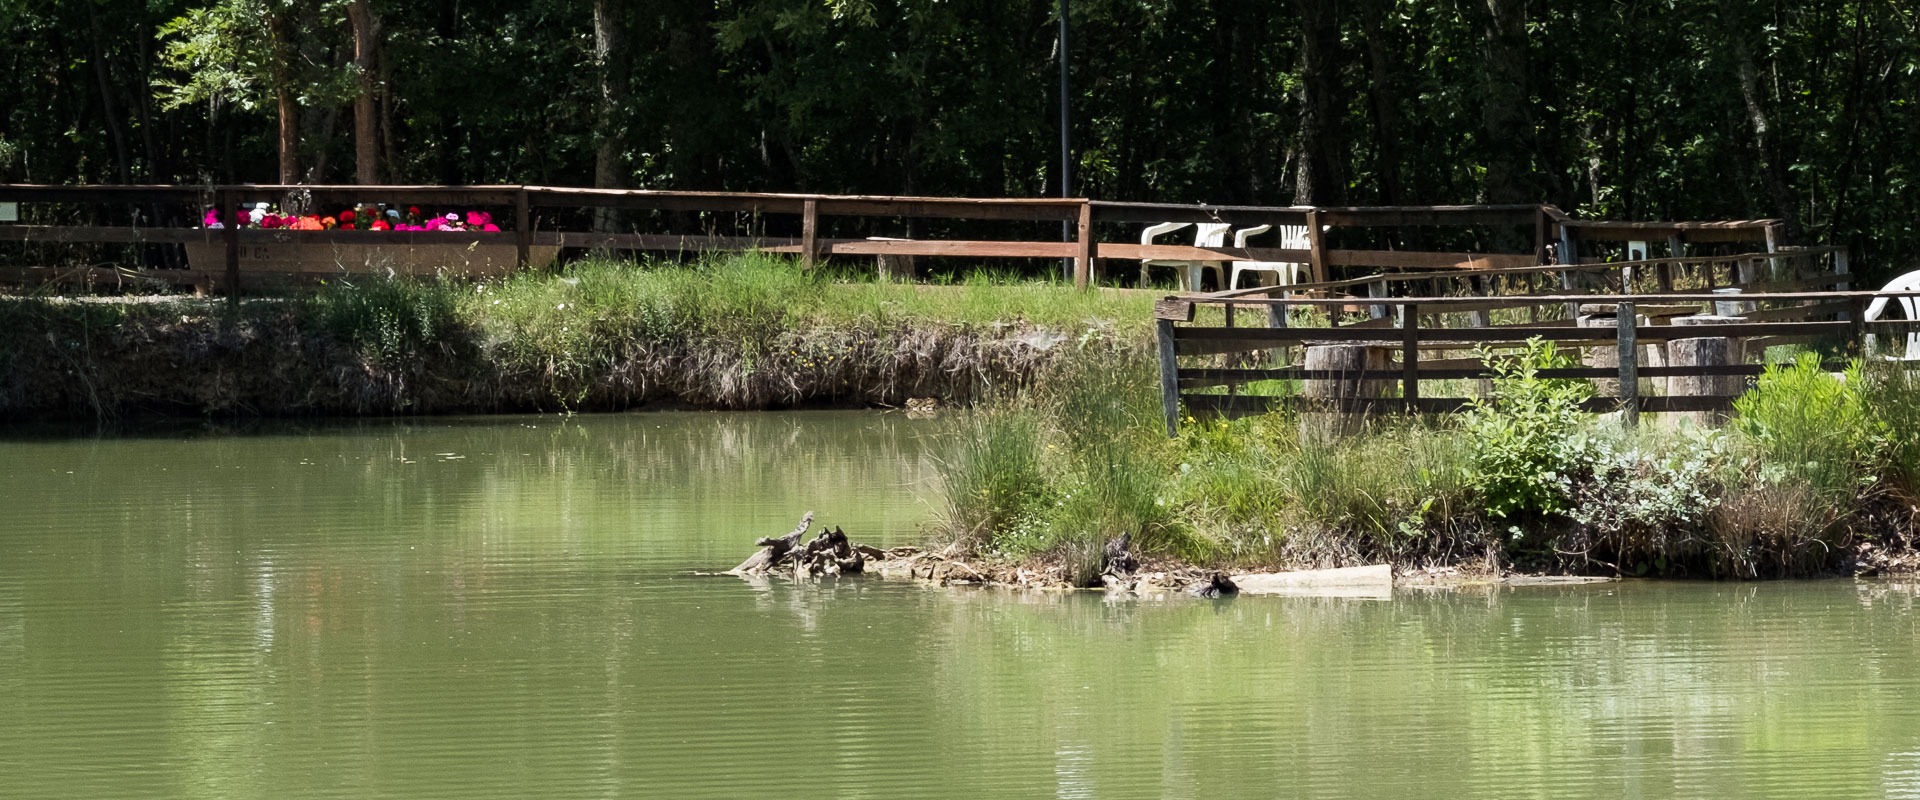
1628	109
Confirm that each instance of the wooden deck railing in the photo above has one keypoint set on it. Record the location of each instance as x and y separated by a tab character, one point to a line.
528	227
1432	350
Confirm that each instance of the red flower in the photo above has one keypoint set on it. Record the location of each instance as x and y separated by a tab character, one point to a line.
380	225
270	221
414	210
346	216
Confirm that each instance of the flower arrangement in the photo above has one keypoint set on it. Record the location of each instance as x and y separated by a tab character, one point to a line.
361	218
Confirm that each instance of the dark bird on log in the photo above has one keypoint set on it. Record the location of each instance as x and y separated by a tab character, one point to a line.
1217	585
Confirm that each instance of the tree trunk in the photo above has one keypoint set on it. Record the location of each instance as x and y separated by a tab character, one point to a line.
1383	105
1504	114
284	101
609	171
110	107
366	32
1319	179
1773	169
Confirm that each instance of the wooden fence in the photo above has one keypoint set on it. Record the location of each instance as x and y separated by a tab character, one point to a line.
1636	320
528	227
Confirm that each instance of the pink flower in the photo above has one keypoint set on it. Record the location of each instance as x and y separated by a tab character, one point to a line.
269	221
489	227
478	218
211	219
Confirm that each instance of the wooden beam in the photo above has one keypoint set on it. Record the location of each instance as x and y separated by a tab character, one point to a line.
522	226
230	216
809	232
1428	260
1317	248
1083	257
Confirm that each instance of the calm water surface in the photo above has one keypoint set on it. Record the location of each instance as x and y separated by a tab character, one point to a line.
506	608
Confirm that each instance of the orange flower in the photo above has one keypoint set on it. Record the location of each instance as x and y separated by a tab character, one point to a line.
328	222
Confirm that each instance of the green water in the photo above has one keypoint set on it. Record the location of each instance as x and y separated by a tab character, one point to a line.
506	608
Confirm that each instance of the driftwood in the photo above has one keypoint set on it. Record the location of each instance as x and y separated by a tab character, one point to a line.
829	553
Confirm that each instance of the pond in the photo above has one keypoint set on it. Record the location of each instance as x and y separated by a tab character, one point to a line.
508	607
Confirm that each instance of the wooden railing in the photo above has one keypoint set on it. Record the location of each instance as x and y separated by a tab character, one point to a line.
1213	351
528	227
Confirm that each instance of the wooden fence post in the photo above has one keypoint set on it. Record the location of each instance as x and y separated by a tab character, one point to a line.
1083	276
1677	249
809	232
1377	289
1569	255
1540	235
1169	377
523	226
1410	357
1625	321
230	214
1316	248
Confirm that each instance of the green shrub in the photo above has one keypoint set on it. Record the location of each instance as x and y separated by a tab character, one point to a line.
1522	438
1811	427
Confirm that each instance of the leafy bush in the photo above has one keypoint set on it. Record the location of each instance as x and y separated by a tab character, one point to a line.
1522	438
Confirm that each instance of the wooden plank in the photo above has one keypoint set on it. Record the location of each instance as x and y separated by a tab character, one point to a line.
1629	360
351	193
1428	260
976	249
1169	376
1084	248
1110	211
522	227
1173	308
105	234
230	212
1432	216
1530	299
1182	252
952	208
1317	248
1410	356
1210	405
668	242
341	236
102	193
809	232
1796	312
1199	378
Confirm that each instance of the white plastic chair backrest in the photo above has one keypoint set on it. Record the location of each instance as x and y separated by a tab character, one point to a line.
1241	236
1909	282
1210	234
1294	237
1146	236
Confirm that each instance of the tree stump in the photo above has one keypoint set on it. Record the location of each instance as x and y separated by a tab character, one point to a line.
1337	407
1705	351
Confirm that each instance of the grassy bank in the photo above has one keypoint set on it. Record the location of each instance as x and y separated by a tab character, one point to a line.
738	332
1817	474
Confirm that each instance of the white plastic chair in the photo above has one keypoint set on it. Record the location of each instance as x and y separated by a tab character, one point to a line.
1909	282
1206	234
1287	273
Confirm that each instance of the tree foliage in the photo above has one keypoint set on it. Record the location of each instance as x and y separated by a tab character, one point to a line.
1676	109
